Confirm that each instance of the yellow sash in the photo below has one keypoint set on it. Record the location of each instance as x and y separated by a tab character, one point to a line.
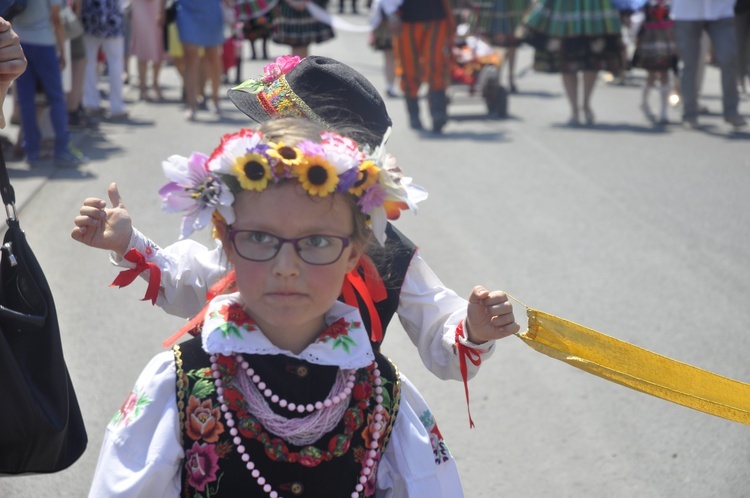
637	368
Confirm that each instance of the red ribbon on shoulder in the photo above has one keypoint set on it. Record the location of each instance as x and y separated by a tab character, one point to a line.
193	326
371	289
474	357
126	277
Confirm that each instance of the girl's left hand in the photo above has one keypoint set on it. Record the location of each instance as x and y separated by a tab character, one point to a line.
489	316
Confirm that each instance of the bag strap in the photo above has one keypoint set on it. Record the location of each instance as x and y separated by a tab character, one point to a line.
6	189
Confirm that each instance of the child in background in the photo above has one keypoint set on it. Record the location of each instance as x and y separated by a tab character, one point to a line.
656	52
282	393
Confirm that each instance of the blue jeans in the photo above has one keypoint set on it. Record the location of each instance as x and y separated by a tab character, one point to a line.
43	69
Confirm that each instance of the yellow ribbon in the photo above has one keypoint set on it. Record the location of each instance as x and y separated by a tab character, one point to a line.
637	368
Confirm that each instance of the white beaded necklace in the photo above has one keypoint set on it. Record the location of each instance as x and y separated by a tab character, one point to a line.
377	427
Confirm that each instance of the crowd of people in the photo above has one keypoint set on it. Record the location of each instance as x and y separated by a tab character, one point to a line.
668	39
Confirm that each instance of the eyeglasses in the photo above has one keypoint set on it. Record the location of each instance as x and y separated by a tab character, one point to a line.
312	249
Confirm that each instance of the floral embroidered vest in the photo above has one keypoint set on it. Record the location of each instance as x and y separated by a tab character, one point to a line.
331	467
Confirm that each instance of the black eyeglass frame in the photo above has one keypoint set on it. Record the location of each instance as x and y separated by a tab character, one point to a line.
345	241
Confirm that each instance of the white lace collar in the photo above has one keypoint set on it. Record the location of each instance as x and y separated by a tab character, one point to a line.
345	343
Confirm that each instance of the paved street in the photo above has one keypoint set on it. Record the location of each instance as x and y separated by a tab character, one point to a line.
638	232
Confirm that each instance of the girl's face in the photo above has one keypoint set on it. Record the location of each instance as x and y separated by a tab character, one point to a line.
285	295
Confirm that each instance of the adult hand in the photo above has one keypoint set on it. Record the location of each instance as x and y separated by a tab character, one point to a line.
489	316
12	60
102	227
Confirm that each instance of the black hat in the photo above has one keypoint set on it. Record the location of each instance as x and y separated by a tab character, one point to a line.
321	89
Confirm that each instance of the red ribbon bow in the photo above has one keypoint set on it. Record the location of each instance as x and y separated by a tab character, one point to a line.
126	277
474	357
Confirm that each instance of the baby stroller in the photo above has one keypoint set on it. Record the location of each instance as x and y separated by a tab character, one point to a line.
476	67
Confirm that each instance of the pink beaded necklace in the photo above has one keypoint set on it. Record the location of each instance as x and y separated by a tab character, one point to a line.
376	429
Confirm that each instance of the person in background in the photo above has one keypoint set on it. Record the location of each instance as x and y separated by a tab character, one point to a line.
200	24
146	21
571	38
293	25
103	23
656	52
715	17
423	34
497	21
742	22
76	114
40	29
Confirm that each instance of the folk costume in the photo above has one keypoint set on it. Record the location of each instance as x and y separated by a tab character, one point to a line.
574	36
497	20
423	49
298	28
226	413
656	46
197	421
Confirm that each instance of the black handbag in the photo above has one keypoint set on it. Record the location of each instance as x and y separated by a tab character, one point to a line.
41	427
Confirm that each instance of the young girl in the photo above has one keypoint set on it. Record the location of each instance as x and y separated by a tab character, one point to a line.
402	284
656	51
282	393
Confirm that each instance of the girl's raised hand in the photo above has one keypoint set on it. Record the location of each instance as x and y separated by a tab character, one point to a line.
489	316
102	227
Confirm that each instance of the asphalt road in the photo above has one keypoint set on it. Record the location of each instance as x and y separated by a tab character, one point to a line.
638	232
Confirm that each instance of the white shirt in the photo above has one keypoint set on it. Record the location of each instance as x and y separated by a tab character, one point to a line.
141	455
702	10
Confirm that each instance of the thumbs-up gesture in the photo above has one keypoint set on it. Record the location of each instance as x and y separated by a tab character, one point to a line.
102	227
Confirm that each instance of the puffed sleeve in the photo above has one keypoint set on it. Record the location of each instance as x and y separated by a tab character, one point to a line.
188	270
416	463
430	313
141	454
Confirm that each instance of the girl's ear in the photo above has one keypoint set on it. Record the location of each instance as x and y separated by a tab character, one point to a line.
222	233
358	250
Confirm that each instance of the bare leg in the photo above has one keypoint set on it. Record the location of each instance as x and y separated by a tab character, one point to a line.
78	70
155	69
192	64
390	70
645	107
302	51
570	82
510	55
589	80
213	70
142	72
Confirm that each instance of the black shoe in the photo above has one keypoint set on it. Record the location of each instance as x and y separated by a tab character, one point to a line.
415	123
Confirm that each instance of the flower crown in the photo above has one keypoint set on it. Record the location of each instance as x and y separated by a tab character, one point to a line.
201	185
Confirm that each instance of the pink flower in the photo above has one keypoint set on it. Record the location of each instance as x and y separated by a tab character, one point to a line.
373	197
201	463
282	65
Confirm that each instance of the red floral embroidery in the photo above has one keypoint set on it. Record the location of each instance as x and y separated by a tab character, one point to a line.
337	329
203	420
234	313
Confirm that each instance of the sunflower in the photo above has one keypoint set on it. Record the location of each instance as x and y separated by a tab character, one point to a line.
317	176
291	156
252	171
368	175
